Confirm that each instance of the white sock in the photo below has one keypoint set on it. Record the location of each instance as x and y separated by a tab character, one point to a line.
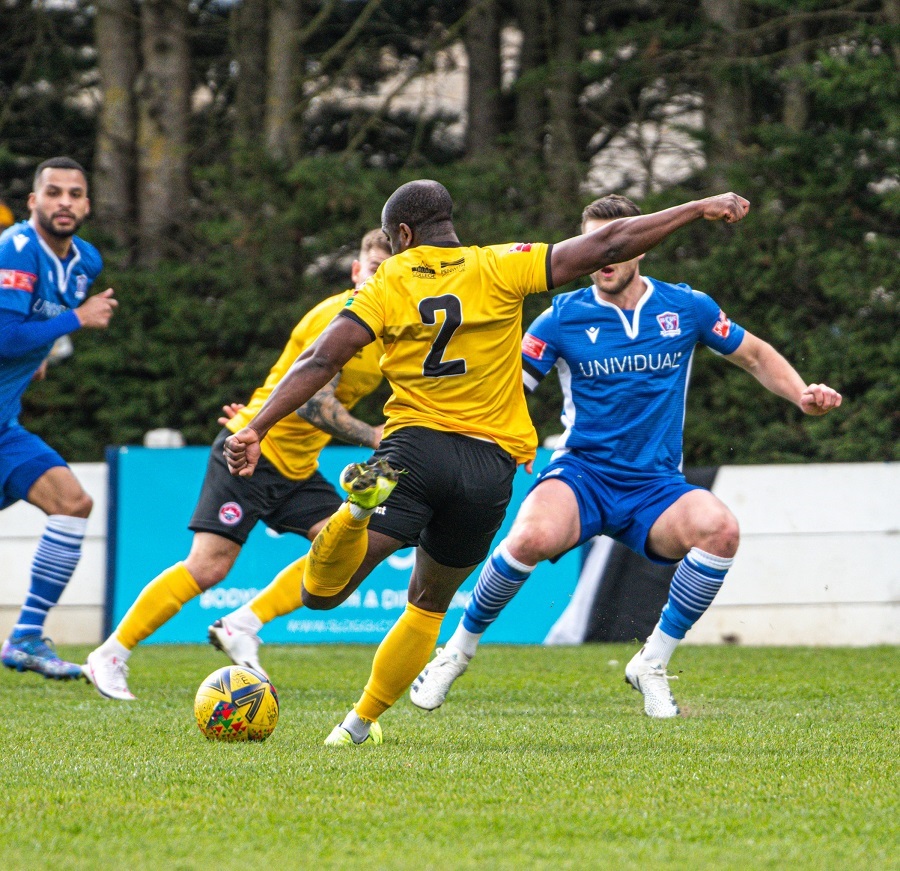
659	646
244	620
464	641
356	726
361	513
113	647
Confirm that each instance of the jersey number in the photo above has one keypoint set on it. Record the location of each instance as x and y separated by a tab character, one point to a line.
435	366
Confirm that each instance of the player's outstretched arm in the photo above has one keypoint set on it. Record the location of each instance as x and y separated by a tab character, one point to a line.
774	372
314	368
626	238
325	411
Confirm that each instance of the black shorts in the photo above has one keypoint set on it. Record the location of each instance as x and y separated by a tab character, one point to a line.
230	506
453	497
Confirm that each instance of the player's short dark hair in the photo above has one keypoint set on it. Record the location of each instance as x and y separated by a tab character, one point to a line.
608	208
374	240
58	163
420	205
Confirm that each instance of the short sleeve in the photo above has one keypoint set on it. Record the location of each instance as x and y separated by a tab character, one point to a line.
716	330
523	266
540	348
18	275
367	305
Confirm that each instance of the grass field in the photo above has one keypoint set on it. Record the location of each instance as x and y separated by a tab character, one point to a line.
541	758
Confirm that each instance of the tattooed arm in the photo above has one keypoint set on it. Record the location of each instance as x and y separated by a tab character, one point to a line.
325	412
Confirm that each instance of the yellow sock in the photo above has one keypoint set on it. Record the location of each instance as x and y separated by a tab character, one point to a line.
402	654
282	595
158	602
336	553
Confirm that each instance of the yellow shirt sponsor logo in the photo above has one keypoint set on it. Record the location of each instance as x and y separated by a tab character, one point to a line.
452	341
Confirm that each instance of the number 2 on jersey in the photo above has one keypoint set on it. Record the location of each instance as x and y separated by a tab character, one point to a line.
435	366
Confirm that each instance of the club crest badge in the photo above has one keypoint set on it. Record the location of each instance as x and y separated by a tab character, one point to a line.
668	323
231	514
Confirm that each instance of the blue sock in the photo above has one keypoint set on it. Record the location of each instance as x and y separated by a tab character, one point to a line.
57	554
499	581
697	579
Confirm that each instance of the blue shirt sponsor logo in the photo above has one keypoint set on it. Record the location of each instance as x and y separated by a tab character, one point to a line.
624	374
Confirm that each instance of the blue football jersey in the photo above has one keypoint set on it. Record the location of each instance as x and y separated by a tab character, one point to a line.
37	286
624	374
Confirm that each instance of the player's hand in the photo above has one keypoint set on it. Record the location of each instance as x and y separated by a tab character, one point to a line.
729	208
377	434
529	467
97	310
819	399
242	452
40	373
229	411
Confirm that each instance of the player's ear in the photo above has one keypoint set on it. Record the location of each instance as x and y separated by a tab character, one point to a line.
87	210
406	236
32	199
355	271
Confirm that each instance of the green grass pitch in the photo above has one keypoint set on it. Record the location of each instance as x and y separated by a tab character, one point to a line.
541	758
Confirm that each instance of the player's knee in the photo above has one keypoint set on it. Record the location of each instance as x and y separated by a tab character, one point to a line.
722	534
530	542
208	572
75	505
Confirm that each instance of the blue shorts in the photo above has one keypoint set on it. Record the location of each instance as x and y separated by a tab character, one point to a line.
24	457
615	505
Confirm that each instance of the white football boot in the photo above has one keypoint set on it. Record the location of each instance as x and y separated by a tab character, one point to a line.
649	678
241	648
430	688
109	674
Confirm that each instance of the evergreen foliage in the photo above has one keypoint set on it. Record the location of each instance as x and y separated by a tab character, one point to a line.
813	269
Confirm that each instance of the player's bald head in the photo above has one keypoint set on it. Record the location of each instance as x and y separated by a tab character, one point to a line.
424	206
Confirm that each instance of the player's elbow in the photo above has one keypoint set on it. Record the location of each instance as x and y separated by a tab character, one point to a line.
323	364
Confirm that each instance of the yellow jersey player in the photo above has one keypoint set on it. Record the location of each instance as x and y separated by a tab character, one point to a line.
290	495
450	317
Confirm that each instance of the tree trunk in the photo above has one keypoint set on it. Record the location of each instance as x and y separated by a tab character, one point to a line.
482	40
285	76
163	101
562	153
113	185
795	109
248	38
892	14
530	85
726	100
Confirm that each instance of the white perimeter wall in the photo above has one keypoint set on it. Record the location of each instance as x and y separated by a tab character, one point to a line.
819	561
78	619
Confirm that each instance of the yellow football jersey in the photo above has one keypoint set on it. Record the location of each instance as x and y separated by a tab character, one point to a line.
293	444
451	322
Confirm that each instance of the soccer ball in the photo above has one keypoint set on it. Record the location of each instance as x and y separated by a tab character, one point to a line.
236	704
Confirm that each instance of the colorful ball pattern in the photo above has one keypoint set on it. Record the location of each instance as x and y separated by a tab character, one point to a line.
236	704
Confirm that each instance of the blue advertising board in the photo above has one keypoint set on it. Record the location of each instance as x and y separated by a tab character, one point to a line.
153	492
